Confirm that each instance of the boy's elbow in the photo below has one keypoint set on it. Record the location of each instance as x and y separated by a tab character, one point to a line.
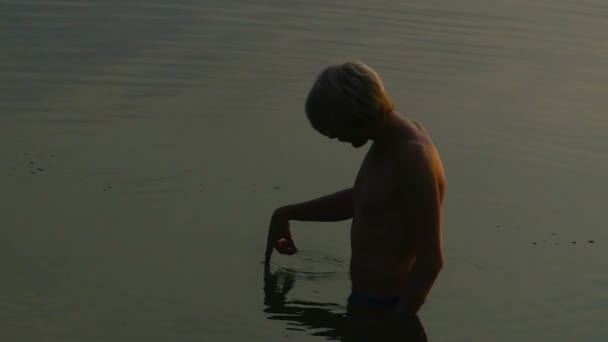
439	264
434	263
439	260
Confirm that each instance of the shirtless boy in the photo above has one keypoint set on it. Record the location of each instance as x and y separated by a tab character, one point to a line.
395	202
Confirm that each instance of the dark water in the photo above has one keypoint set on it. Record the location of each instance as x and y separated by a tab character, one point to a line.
145	144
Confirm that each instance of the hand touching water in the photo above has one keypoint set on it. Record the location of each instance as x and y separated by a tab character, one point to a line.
279	236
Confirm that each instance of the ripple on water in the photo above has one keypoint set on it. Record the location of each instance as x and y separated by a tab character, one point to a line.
314	265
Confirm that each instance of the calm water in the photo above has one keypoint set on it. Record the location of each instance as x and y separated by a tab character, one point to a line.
145	144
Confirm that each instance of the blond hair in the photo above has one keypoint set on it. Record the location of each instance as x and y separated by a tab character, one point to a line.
348	95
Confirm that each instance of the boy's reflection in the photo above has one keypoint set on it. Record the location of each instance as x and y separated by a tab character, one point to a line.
360	323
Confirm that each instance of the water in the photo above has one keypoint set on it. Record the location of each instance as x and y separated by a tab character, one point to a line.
145	144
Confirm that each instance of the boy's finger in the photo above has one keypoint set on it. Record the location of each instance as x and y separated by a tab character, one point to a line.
268	252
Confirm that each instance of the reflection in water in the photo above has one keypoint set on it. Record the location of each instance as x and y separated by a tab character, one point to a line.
358	324
317	318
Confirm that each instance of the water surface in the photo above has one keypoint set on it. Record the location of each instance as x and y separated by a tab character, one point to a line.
145	144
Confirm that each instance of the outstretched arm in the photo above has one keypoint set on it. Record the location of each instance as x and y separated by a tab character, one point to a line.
338	206
331	208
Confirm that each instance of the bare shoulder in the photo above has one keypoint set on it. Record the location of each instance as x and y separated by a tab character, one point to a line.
416	156
419	126
420	165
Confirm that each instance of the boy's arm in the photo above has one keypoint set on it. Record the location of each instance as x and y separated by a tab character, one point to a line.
335	207
338	206
427	236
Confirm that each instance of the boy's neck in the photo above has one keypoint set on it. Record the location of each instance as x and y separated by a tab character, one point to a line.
392	127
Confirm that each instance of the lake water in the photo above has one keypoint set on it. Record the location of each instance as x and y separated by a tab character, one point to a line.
146	143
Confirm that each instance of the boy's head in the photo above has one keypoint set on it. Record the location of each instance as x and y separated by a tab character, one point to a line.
346	100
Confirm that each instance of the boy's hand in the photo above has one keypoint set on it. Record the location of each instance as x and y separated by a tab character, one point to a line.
279	236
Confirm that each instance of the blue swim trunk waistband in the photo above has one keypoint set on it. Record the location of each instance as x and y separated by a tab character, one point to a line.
384	303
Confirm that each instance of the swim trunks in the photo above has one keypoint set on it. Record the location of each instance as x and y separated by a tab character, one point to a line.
358	298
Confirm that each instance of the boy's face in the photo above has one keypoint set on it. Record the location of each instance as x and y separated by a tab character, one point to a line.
356	137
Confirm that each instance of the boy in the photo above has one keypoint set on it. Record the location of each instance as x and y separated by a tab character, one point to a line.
395	202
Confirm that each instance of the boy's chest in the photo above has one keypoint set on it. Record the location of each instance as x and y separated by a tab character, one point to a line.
378	186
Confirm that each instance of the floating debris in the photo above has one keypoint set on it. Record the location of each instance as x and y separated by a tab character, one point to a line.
591	241
276	187
534	243
574	242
